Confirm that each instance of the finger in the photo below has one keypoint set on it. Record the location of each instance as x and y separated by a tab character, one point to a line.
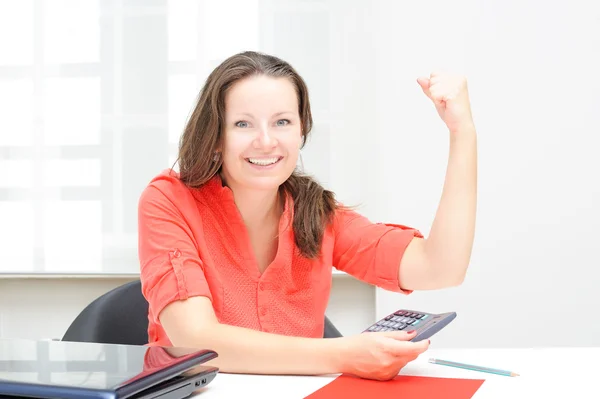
400	335
437	95
421	346
425	84
407	348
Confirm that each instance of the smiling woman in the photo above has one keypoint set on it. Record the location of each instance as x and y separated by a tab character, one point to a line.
253	141
237	249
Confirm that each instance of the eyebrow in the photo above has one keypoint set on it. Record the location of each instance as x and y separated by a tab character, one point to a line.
277	114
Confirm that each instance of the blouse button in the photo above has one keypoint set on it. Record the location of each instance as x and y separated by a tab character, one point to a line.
177	253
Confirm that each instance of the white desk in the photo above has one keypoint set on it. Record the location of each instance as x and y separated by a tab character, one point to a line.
545	373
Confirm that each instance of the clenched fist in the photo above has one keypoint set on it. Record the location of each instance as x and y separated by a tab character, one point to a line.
450	96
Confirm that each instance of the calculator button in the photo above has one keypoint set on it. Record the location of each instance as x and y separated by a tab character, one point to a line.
377	328
419	316
399	313
388	318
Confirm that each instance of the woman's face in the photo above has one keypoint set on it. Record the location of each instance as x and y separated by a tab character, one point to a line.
262	133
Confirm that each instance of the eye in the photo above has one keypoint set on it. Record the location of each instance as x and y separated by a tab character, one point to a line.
241	124
283	122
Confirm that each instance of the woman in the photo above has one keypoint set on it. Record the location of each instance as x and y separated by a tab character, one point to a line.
237	249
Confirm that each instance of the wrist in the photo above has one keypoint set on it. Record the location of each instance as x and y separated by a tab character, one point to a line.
466	126
342	354
332	354
466	132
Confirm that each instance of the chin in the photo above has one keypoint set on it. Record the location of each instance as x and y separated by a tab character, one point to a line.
265	182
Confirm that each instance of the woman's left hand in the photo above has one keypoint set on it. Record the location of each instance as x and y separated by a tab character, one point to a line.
450	96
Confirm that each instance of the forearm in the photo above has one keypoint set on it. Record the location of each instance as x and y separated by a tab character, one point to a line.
249	351
449	244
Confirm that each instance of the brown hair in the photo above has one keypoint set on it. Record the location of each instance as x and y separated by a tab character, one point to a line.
202	137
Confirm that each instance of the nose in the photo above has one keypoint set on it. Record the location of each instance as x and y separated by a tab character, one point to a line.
265	138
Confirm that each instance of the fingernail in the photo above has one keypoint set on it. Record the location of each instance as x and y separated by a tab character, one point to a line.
429	341
410	332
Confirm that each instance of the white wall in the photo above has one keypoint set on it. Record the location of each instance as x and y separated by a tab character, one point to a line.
533	72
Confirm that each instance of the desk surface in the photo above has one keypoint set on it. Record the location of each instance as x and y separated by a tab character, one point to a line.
545	372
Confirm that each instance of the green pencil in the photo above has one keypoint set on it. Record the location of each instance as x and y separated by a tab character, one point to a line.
473	367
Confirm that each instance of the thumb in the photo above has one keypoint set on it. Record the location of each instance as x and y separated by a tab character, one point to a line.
424	83
400	335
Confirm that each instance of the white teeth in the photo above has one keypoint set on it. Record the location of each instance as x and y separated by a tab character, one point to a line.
263	161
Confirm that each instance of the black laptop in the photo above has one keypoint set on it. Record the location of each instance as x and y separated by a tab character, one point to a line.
74	370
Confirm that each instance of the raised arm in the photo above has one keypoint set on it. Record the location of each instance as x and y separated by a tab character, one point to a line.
398	258
442	258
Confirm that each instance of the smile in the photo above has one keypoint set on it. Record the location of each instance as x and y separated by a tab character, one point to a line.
264	161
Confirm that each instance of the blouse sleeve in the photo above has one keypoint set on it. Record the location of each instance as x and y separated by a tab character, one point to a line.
369	251
170	267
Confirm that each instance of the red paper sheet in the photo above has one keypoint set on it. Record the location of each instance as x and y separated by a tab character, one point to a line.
402	386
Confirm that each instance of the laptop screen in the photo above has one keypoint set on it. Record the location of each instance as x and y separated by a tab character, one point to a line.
85	365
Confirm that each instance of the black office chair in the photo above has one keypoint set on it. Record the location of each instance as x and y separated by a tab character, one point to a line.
121	317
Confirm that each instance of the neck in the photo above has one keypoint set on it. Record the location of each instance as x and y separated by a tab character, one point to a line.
257	207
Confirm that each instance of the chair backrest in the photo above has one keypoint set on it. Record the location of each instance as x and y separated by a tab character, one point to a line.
121	317
330	330
118	317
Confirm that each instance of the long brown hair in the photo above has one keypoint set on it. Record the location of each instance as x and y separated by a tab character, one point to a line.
202	137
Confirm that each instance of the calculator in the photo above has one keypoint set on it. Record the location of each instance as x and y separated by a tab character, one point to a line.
425	324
